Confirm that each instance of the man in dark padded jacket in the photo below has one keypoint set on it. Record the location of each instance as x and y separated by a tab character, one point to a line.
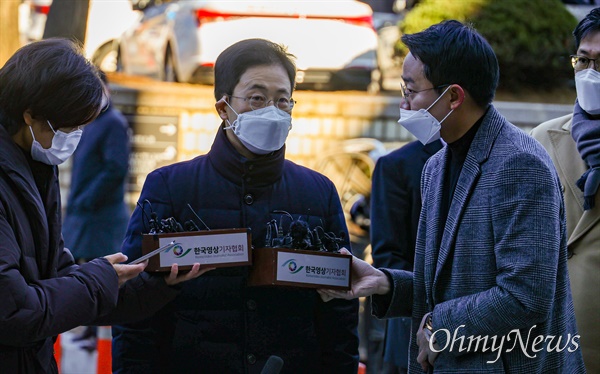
218	324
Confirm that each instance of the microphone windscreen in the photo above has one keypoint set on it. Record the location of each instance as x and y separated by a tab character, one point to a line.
273	365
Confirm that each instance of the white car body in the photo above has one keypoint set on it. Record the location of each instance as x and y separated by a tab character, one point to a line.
180	40
107	20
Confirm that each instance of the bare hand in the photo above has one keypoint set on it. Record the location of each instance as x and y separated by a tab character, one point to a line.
426	356
125	272
366	281
173	278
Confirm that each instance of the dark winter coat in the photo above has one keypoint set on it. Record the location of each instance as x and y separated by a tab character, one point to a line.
42	292
218	324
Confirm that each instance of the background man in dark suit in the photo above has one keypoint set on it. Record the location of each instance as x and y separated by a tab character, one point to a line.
396	204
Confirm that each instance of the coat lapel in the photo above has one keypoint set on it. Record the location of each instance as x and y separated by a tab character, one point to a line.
14	164
433	202
471	170
587	221
569	171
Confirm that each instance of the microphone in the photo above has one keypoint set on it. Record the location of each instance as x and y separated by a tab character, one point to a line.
273	365
197	216
191	226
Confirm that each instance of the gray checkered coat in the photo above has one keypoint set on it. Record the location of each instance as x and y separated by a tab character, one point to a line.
498	284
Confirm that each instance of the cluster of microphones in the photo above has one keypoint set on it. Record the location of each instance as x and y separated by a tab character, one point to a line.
298	236
301	236
168	225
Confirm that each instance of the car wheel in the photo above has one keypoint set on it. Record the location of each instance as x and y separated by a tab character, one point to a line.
119	63
169	73
106	58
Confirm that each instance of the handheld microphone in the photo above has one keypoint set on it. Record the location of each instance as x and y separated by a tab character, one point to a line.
198	217
191	226
300	233
155	226
273	365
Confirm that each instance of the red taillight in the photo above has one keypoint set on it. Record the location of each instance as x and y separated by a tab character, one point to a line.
365	21
42	9
204	16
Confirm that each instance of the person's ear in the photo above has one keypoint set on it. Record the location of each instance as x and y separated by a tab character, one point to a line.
28	117
457	96
221	107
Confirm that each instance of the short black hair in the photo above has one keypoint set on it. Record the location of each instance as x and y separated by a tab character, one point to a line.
233	62
54	80
589	23
454	53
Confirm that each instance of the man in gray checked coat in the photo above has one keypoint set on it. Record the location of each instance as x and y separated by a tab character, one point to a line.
490	287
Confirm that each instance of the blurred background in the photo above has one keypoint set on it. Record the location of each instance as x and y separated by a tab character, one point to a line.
159	56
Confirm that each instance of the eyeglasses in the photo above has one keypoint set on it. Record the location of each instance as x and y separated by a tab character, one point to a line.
407	92
258	101
581	62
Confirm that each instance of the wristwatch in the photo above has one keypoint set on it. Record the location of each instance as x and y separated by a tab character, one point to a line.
429	322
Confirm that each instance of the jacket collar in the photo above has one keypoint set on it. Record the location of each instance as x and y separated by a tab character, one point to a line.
259	172
14	164
569	170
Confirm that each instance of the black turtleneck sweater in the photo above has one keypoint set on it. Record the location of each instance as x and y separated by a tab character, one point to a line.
457	153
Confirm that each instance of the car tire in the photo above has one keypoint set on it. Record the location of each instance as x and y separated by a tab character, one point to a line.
106	57
119	64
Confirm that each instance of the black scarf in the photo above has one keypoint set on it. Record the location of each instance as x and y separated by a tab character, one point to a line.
586	132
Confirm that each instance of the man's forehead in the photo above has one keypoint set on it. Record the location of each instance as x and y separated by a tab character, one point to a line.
265	77
590	44
412	71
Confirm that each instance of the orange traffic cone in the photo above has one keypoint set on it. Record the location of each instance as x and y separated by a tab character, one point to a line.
362	368
57	351
104	350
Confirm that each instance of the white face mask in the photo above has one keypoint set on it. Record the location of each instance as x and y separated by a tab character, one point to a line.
587	83
63	146
263	130
422	124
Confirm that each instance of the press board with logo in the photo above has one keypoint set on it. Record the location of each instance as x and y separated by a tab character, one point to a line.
300	268
217	248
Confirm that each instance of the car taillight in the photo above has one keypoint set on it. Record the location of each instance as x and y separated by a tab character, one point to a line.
204	16
42	9
365	21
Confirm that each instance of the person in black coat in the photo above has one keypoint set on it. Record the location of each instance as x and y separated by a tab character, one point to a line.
395	209
47	91
219	324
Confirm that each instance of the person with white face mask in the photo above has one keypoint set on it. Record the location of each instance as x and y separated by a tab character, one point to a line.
420	123
47	91
491	256
219	324
63	145
573	142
